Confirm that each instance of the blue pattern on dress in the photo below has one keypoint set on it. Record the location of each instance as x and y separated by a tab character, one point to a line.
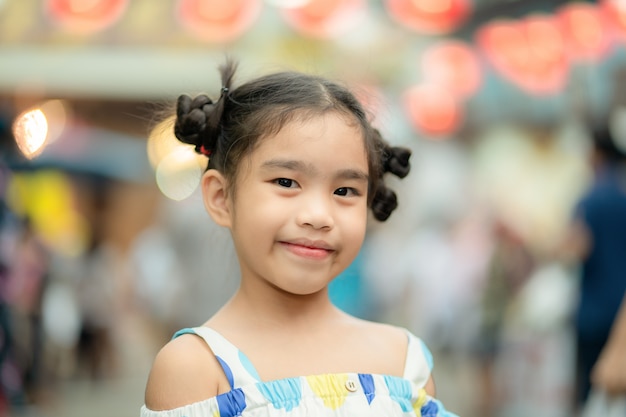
282	393
227	371
247	365
400	390
367	382
232	403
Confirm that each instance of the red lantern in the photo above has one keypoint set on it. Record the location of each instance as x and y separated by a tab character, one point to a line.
530	53
614	12
585	34
434	17
432	109
217	20
454	65
325	18
86	16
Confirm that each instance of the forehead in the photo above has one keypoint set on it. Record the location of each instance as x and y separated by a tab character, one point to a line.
330	135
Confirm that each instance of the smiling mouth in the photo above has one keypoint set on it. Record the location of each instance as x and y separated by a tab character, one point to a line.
306	251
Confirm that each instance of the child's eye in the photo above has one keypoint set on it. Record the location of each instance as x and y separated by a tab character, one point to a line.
345	191
285	182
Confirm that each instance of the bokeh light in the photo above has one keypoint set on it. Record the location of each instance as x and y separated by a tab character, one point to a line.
434	17
161	141
530	53
454	65
584	31
30	130
325	18
58	114
432	109
86	16
178	174
216	20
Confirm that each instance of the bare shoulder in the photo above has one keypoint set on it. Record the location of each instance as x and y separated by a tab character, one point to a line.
184	371
393	338
381	346
393	341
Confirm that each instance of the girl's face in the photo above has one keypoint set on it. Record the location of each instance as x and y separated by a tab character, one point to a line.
299	212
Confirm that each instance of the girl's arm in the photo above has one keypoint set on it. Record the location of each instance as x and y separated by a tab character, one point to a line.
610	370
185	371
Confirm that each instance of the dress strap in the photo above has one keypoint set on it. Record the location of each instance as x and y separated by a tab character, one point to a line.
419	361
236	366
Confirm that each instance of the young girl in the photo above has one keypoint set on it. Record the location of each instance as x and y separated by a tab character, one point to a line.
293	166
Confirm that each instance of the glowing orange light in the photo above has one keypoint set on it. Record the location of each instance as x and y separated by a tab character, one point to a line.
217	20
429	16
454	65
30	130
530	52
325	18
584	31
87	16
432	109
613	13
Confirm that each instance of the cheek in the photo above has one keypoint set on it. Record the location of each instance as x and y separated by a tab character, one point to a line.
355	223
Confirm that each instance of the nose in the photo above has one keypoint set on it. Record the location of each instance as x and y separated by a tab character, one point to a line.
316	212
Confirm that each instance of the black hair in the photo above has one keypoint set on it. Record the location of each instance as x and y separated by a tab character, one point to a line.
228	129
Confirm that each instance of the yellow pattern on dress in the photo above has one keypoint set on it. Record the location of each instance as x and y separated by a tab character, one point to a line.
419	403
330	388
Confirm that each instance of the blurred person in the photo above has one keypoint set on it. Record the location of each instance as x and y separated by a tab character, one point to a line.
596	240
294	165
24	275
96	290
609	371
12	390
508	270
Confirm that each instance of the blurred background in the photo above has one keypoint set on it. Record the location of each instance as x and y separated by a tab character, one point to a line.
105	248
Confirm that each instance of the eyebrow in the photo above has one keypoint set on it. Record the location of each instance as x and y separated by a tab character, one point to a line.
294	165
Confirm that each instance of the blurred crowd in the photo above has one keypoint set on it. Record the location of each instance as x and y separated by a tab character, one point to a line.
493	285
506	254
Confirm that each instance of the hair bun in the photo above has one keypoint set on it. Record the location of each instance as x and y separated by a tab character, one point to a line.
384	203
396	161
191	119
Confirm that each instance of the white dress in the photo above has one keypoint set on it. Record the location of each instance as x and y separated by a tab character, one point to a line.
328	395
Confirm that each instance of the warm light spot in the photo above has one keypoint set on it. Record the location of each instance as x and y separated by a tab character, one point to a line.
30	130
530	52
57	114
218	9
288	4
432	109
161	141
453	64
544	39
326	18
585	30
216	20
319	9
434	17
433	6
85	16
178	174
82	6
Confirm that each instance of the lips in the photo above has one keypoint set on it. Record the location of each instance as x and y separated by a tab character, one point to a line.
316	250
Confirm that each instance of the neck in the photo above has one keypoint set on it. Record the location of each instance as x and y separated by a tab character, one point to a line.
269	307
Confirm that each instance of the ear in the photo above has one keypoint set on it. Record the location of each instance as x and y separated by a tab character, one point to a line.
215	196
